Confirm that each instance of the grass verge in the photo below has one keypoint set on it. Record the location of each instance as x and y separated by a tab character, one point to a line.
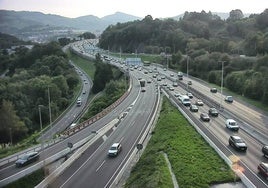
194	162
28	181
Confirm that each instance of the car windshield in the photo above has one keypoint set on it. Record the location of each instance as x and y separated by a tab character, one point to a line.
239	141
113	148
25	157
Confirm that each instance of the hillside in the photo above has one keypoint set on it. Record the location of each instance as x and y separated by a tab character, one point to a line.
240	42
18	22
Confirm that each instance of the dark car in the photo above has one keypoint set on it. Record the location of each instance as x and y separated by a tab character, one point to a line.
265	151
193	108
213	90
27	159
237	143
263	169
204	117
213	112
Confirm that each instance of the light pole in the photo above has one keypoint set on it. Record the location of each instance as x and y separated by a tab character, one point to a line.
222	66
49	109
41	126
42	137
187	71
10	134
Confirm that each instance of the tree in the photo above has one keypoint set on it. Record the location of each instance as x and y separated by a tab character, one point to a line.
236	14
11	125
88	35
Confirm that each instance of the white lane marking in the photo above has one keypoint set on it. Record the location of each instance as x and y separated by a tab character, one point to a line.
100	166
121	139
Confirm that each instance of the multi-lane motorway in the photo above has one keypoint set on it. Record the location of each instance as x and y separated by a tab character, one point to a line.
253	124
94	169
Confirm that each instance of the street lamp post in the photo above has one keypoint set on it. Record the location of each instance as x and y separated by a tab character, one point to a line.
41	126
49	109
222	66
42	137
187	71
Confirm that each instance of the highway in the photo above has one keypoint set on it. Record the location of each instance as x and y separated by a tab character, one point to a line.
8	170
95	168
253	124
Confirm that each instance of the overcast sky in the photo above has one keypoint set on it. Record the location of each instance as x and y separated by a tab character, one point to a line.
140	8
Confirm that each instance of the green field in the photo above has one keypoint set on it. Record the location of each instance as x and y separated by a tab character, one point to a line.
194	162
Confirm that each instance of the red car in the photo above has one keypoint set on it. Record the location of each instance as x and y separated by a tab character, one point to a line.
263	169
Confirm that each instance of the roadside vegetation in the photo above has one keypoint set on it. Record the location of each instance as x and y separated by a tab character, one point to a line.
194	162
31	72
29	181
206	41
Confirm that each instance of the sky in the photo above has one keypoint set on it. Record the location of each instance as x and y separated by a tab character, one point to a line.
140	8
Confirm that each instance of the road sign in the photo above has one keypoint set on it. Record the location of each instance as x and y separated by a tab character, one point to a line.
139	146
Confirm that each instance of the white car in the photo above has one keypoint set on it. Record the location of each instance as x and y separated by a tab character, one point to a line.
115	149
232	124
176	94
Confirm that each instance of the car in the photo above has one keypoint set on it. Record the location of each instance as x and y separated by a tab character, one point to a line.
213	90
237	143
213	112
172	75
229	99
263	169
175	84
27	159
84	92
171	88
204	117
164	84
176	94
165	69
190	95
189	82
231	124
265	150
163	77
149	81
143	89
115	149
193	108
159	79
199	102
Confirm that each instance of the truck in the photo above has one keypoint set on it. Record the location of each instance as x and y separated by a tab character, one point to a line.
180	75
185	100
142	83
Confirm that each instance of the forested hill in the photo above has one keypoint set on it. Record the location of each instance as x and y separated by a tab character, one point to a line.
233	35
240	42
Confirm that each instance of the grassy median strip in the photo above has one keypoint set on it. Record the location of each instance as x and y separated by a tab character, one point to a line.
194	162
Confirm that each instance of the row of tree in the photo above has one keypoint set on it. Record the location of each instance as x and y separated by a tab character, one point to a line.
32	76
207	41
